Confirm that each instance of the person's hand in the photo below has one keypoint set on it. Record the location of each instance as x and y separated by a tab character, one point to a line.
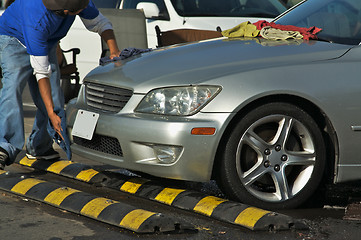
109	38
56	122
114	54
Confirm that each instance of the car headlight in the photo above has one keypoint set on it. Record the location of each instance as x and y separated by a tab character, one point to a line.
180	101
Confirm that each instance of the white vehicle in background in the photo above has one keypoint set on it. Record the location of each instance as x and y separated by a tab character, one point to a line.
201	14
169	15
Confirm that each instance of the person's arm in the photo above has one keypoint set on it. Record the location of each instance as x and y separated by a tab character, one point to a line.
42	71
36	42
104	28
109	38
45	92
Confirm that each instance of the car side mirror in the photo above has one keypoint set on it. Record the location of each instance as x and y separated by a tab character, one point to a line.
151	10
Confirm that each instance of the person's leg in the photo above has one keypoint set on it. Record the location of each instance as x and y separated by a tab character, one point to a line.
16	69
39	143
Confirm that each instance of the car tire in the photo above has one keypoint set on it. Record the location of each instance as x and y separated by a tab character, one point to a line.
274	157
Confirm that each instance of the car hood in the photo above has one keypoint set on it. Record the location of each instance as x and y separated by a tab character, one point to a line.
202	62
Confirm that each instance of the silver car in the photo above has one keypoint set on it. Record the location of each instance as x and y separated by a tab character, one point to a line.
272	121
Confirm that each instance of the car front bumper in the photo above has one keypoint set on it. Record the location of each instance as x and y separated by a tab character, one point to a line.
143	139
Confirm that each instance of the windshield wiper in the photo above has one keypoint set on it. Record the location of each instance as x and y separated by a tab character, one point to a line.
339	40
323	39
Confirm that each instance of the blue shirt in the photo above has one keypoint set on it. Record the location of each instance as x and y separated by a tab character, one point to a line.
36	27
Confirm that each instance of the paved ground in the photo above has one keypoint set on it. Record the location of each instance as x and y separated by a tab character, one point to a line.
22	218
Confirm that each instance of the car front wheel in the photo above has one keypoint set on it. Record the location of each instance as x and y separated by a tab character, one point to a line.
274	157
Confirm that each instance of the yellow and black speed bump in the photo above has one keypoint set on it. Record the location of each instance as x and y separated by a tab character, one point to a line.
218	208
99	208
67	168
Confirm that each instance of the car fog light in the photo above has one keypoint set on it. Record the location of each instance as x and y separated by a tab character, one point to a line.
167	154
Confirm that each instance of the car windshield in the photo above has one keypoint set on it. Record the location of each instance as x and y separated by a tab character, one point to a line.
340	20
229	8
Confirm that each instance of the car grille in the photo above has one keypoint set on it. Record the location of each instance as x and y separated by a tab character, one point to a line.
101	143
106	98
